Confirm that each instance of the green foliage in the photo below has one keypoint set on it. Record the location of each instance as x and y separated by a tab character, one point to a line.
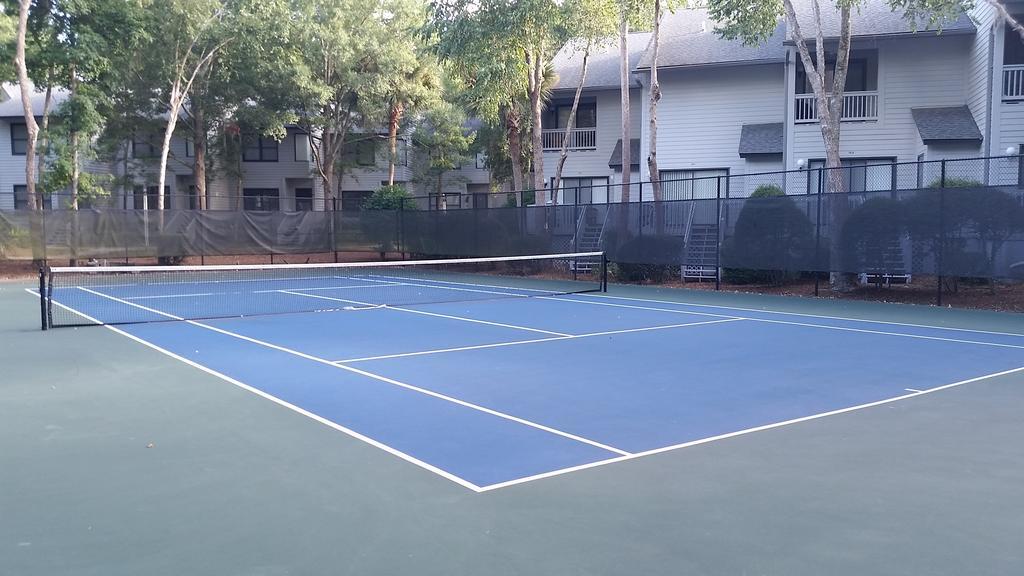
773	238
648	259
869	231
767	191
955	183
390	198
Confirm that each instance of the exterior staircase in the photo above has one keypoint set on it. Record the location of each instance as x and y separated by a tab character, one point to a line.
699	262
589	237
889	265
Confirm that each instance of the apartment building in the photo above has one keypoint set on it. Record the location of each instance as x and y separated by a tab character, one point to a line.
730	109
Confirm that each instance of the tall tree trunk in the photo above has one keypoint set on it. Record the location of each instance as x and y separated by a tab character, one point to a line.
570	125
394	117
829	101
515	149
165	146
624	72
536	129
44	129
76	169
31	127
652	158
327	171
199	133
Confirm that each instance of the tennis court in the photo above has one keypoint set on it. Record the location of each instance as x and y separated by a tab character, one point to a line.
496	372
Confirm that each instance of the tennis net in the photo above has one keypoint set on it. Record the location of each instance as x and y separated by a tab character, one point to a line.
107	295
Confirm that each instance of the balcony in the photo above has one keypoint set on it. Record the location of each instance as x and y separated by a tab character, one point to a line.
857	107
1013	82
579	139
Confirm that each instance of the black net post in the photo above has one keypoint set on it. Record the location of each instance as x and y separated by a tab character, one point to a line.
941	249
42	298
604	272
718	233
817	238
334	228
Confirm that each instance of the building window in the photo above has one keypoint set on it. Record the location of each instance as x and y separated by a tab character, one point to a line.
302	145
353	201
694	184
19	139
303	199
260	149
146	198
20	197
190	149
402	153
360	153
260	199
859	174
481	160
861	75
557	115
142	147
582	190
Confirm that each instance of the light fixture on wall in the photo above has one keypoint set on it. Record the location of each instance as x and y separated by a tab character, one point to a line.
801	163
1012	151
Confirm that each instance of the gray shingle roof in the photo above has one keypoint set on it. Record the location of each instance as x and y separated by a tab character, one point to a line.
603	68
10	106
634	154
688	38
870	19
760	139
947	124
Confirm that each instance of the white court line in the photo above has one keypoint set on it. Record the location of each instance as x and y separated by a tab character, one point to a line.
405	278
378	377
425	313
534	341
915	390
673	447
805	315
805	324
276	400
193	295
410	283
356	287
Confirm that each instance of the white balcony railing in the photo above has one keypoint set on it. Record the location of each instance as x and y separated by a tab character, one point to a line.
857	106
579	139
1013	82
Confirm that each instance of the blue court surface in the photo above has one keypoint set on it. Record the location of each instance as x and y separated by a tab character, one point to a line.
499	390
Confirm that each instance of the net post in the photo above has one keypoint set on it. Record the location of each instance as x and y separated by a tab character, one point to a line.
42	298
939	253
604	272
817	239
718	233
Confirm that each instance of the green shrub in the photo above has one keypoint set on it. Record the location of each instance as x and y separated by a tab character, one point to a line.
956	183
772	240
647	259
767	191
869	231
390	198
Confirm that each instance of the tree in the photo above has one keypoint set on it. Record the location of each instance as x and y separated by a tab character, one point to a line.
409	71
182	39
337	46
590	23
502	52
441	133
754	22
25	86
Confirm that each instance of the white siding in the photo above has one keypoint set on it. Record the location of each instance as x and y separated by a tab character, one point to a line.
702	112
981	74
12	168
594	163
913	73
